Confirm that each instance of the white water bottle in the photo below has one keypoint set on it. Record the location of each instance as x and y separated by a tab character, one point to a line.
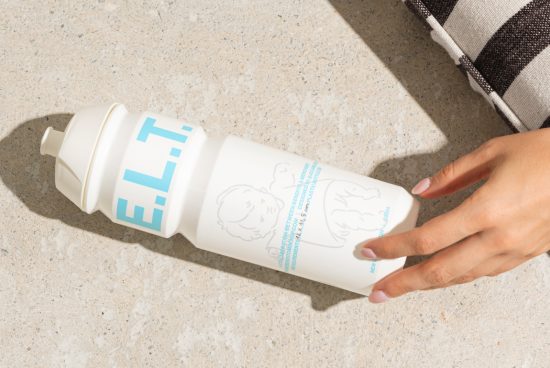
229	195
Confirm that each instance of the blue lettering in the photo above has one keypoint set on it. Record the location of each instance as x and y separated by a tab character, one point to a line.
137	219
150	128
162	183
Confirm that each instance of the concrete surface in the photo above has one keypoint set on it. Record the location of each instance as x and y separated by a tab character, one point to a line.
77	291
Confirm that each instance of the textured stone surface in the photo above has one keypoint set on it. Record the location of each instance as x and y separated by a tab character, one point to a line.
357	84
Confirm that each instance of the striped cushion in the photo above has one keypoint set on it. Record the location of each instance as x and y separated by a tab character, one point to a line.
503	47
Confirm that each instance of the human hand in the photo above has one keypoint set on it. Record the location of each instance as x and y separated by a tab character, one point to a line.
501	225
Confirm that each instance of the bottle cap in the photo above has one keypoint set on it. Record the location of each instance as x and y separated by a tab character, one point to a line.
74	150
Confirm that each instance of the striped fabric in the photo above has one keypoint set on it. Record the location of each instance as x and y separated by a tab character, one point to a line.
503	47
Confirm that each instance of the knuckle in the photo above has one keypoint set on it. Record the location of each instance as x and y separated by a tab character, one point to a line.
499	238
496	248
487	218
506	241
489	149
380	247
396	288
465	279
486	212
437	275
477	197
423	244
448	170
446	173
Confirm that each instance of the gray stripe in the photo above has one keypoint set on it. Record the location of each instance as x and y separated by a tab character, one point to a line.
476	75
416	12
419	6
515	45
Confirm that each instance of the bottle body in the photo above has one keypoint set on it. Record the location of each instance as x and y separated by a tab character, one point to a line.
299	216
244	200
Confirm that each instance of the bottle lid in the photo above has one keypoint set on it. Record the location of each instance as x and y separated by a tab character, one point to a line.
74	150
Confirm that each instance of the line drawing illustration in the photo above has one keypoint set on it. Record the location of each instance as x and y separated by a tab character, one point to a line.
252	213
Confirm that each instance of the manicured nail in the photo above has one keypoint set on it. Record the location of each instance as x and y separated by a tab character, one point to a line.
368	253
378	296
422	186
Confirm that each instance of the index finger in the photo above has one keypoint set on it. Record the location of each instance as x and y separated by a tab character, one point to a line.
434	235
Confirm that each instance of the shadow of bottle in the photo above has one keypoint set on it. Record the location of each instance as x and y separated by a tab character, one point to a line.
30	177
399	41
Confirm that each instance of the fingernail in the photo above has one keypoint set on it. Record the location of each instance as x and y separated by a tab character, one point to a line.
378	296
422	186
368	253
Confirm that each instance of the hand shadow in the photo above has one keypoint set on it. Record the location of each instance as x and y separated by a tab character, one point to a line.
403	43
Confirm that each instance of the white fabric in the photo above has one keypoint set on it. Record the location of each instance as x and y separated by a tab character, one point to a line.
529	94
472	23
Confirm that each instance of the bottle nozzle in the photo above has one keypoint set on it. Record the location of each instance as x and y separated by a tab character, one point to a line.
51	142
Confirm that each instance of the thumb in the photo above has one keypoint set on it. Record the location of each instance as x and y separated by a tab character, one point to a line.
459	174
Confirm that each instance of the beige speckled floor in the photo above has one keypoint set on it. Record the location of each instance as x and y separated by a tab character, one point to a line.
77	291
